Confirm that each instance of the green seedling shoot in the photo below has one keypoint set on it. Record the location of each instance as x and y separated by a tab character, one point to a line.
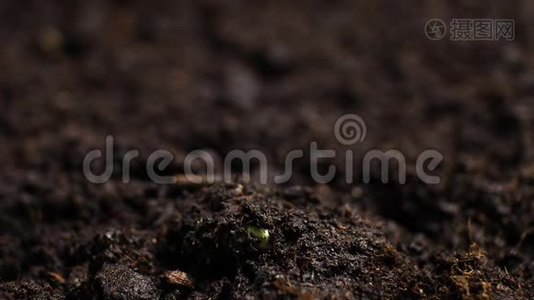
262	235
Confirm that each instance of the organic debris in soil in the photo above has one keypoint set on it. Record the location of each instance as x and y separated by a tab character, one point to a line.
312	252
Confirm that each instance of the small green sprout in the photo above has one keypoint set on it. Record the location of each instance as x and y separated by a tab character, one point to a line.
262	235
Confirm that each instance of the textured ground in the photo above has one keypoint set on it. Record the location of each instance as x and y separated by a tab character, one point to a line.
274	76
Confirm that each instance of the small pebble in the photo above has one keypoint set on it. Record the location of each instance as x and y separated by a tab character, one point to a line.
179	278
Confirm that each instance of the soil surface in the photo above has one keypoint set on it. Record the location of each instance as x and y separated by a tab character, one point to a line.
272	76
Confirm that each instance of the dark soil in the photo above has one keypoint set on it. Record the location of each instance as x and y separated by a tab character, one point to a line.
273	76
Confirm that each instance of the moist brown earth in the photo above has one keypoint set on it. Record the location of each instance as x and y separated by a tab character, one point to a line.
272	76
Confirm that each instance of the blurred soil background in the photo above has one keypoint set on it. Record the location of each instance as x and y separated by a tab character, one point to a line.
273	76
